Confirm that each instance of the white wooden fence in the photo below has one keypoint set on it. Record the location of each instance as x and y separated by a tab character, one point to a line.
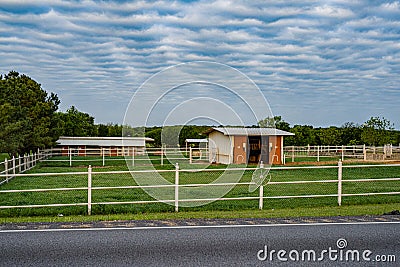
10	167
134	155
338	180
361	152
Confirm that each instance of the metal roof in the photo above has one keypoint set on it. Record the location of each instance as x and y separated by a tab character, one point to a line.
194	140
251	131
103	141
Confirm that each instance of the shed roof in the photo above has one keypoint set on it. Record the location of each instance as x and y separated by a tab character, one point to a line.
251	131
103	141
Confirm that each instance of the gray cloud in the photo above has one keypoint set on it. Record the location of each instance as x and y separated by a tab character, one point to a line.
338	59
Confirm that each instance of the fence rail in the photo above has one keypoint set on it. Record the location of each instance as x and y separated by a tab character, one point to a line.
88	190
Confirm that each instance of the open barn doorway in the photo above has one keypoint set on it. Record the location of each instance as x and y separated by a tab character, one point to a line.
258	149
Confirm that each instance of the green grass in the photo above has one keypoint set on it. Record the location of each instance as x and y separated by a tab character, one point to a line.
121	195
345	210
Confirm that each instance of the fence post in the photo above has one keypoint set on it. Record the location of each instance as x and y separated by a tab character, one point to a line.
292	153
89	194
342	152
384	152
318	153
103	154
176	187
162	154
365	152
261	200
70	156
25	162
6	169
13	163
190	155
340	172
19	164
133	156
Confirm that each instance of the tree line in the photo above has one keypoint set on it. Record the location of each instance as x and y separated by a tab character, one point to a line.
375	131
29	119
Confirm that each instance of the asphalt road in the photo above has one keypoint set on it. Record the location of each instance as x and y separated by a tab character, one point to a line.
211	245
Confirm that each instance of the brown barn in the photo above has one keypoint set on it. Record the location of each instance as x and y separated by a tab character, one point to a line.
246	145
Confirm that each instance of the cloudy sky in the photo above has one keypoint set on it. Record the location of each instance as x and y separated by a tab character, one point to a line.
316	62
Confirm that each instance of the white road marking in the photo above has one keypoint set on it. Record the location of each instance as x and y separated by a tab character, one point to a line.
189	227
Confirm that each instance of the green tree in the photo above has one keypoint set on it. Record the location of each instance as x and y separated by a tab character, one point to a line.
155	133
77	123
275	122
102	130
377	131
28	118
351	134
304	135
330	136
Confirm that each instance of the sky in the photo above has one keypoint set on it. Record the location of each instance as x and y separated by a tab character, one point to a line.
318	63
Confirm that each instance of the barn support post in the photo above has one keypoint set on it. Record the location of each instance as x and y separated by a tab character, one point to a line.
340	173
89	193
176	187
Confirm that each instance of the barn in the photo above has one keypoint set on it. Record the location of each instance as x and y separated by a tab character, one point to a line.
235	145
112	146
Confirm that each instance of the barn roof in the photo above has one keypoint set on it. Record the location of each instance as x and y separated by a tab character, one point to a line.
195	140
103	141
251	131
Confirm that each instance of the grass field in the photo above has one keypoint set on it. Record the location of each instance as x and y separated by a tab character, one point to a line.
101	179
